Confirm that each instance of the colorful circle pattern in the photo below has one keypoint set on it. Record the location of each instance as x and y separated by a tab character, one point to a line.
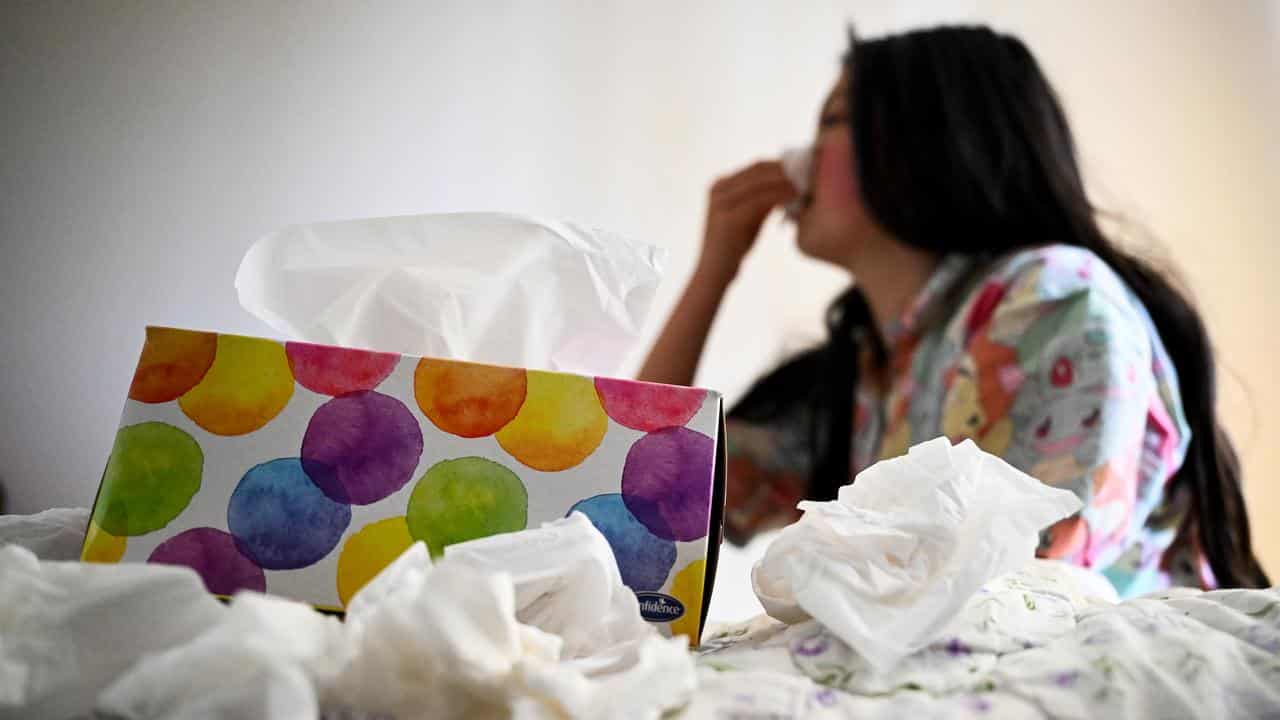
644	559
361	447
647	406
560	424
466	399
329	370
215	557
172	362
153	473
248	384
687	587
281	519
666	482
101	546
464	499
368	551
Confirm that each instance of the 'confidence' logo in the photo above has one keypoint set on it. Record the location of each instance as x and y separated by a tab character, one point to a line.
656	607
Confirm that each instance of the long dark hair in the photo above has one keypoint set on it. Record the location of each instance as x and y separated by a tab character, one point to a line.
962	147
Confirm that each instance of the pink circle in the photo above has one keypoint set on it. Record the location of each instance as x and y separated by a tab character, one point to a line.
214	556
337	371
648	406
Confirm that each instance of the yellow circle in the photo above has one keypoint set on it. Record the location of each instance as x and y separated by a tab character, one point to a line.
559	425
101	546
687	588
248	384
367	552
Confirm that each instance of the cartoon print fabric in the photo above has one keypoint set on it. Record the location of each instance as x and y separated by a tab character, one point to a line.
1049	361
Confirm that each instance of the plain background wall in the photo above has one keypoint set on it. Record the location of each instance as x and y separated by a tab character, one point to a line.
144	146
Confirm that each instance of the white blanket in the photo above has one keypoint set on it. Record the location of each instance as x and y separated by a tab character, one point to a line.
1040	642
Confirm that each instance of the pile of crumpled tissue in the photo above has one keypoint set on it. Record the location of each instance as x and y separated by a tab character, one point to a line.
527	625
897	555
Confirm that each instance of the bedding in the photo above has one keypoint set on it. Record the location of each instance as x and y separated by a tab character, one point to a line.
1044	641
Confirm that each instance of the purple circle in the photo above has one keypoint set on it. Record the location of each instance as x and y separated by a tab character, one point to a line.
214	556
666	482
644	560
281	519
361	447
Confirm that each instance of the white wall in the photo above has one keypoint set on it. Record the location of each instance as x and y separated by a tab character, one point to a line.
145	145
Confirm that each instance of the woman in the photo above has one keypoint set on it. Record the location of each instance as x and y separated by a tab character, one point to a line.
988	304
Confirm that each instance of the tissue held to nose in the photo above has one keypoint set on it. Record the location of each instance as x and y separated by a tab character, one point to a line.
797	164
887	564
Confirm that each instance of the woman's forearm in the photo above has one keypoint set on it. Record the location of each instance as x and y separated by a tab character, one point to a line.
674	357
737	207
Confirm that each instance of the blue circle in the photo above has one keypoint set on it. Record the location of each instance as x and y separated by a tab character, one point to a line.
283	520
644	559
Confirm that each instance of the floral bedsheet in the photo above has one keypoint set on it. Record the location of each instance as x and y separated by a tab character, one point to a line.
1045	641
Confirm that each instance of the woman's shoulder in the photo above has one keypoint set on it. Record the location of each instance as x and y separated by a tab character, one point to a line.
1047	288
1057	272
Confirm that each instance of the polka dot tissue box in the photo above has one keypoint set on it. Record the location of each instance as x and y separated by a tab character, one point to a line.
302	470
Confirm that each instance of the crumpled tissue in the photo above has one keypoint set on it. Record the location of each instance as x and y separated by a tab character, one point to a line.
549	570
55	534
888	564
450	634
264	659
68	629
485	287
476	635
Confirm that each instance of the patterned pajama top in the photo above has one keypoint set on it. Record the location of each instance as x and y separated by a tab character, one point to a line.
1043	357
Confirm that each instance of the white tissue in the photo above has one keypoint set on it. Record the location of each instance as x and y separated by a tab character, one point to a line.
68	629
485	287
889	563
450	640
446	648
563	572
493	628
56	534
797	164
264	660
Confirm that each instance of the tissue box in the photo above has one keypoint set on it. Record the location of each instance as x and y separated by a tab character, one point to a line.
302	470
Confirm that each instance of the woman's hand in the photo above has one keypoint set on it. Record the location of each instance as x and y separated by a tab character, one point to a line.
738	206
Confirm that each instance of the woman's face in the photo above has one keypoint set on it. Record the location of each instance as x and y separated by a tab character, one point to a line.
834	224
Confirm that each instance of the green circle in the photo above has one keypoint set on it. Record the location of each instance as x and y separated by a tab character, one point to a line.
465	499
152	475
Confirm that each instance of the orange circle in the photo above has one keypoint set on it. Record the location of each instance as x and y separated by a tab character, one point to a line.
172	362
466	399
559	425
249	384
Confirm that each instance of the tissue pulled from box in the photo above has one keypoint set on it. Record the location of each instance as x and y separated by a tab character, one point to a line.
486	287
891	561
